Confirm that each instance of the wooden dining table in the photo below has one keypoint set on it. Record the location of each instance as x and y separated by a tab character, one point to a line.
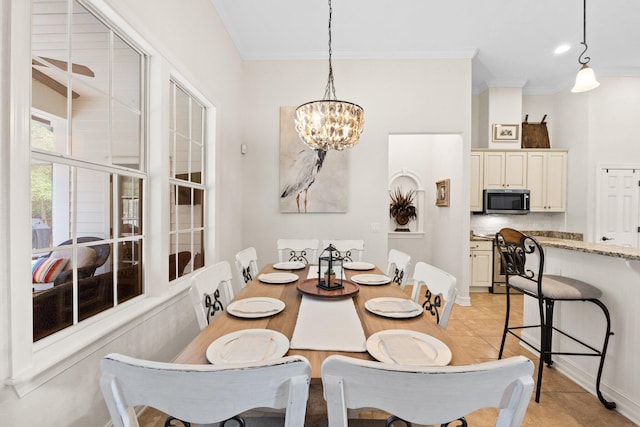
285	321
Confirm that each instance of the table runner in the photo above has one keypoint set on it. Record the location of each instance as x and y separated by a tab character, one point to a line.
328	324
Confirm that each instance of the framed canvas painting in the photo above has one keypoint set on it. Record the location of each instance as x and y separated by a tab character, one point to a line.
310	180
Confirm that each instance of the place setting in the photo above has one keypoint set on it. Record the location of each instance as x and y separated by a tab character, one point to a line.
358	265
247	346
289	265
255	307
406	347
278	278
397	308
371	279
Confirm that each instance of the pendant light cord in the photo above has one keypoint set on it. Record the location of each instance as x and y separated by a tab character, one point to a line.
330	90
586	59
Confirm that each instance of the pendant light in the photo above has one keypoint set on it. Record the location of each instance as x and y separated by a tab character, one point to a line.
586	78
329	124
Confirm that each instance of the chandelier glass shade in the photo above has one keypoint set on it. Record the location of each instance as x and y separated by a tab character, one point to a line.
329	124
586	78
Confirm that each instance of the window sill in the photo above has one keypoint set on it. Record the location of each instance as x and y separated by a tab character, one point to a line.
53	355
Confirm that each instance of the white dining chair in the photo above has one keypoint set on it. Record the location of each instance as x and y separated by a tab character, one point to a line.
431	395
247	264
211	291
204	394
303	250
350	250
398	267
440	284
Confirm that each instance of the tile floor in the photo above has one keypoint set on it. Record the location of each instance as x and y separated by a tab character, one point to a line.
562	402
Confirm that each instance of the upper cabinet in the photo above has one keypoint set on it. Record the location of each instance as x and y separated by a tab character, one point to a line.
542	171
547	180
505	169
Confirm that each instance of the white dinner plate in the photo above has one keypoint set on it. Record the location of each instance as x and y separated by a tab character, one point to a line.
397	308
371	279
255	307
278	277
219	351
289	265
436	353
358	265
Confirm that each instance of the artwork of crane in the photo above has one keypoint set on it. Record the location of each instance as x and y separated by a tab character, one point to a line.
307	165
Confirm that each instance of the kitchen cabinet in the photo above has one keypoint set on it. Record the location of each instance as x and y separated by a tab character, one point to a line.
547	180
505	169
481	263
476	181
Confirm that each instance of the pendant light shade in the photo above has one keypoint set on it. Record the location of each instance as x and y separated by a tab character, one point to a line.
329	124
586	78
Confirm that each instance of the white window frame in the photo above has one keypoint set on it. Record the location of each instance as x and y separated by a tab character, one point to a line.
30	364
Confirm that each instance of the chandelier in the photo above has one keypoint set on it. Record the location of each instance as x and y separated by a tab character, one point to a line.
329	124
586	78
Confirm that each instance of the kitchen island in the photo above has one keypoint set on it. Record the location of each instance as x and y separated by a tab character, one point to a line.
616	271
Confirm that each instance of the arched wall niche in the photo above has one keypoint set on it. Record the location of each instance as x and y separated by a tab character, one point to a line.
407	180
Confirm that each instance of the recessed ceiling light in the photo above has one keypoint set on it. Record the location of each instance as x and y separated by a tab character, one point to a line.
563	48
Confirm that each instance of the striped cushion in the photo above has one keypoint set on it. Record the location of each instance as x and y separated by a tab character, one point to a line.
45	270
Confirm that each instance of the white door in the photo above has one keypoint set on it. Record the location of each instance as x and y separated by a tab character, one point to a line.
619	221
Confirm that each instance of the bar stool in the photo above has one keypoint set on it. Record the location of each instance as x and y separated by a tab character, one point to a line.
519	253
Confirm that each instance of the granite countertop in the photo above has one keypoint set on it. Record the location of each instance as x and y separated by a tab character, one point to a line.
574	242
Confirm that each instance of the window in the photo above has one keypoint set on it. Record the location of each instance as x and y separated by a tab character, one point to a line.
88	170
187	136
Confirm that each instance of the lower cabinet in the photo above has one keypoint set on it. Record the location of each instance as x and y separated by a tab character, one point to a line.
481	263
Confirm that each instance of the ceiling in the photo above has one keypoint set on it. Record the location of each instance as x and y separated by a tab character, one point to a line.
511	42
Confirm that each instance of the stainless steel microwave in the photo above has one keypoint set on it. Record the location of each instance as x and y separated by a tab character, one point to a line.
512	202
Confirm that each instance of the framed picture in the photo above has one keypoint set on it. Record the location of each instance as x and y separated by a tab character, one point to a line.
442	192
506	132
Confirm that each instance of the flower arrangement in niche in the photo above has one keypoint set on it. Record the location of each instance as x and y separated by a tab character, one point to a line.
402	209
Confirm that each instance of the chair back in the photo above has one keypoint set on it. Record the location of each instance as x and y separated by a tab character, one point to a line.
303	250
427	395
206	286
102	251
521	256
350	250
247	264
398	267
204	394
177	263
440	284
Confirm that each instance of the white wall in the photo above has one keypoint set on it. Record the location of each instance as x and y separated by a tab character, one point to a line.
431	158
400	96
72	398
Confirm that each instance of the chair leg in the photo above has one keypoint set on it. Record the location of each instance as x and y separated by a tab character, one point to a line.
607	404
506	323
543	349
548	326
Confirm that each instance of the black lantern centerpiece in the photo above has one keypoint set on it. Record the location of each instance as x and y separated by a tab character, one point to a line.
329	262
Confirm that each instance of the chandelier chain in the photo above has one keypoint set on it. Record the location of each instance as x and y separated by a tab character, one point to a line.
330	89
586	59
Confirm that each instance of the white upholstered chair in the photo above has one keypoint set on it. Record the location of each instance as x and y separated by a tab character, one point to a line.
204	394
210	291
303	250
431	395
440	284
398	267
247	264
350	250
